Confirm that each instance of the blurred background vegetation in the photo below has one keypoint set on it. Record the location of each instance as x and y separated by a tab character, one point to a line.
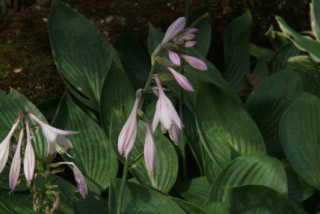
26	61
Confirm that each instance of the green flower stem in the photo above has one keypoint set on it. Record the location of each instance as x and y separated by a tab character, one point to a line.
123	184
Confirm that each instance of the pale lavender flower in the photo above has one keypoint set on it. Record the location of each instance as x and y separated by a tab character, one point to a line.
5	145
174	57
149	150
195	62
176	27
128	133
80	180
189	37
189	44
189	31
29	157
55	137
16	164
165	112
181	80
175	134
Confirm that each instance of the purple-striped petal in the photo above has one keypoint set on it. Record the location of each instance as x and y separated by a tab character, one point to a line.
128	133
29	157
189	37
176	27
16	164
149	150
195	62
174	57
5	145
181	80
189	44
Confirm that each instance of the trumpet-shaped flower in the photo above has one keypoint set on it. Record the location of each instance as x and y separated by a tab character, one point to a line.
181	80
165	112
149	150
16	164
29	157
128	133
5	145
81	182
176	27
55	137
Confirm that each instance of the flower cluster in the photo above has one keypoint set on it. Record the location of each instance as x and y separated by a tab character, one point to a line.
56	142
175	41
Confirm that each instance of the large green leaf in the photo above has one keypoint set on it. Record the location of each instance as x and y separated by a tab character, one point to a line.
82	54
154	38
269	100
251	169
91	147
133	58
195	190
236	51
15	203
280	59
315	18
203	38
190	208
166	167
299	134
303	43
117	92
9	106
139	199
255	199
223	125
93	204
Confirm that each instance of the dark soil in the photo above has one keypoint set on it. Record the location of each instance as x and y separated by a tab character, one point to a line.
26	62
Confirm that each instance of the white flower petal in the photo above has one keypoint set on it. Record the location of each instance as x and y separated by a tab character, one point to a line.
29	157
149	150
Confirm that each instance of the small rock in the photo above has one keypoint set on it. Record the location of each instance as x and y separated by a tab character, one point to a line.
109	19
45	19
17	70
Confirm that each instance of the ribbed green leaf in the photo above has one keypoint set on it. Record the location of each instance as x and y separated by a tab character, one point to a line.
139	199
195	190
154	38
224	125
251	169
91	148
260	53
81	52
304	63
93	204
166	167
269	100
190	208
117	92
236	51
15	203
9	106
299	134
315	18
255	199
203	38
280	59
305	44
218	208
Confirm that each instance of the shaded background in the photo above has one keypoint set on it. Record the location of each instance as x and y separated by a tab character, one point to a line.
26	61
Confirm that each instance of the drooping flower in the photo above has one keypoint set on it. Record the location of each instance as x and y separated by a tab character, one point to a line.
16	164
55	137
165	112
128	133
80	180
5	145
181	80
149	150
195	62
175	134
176	27
29	156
